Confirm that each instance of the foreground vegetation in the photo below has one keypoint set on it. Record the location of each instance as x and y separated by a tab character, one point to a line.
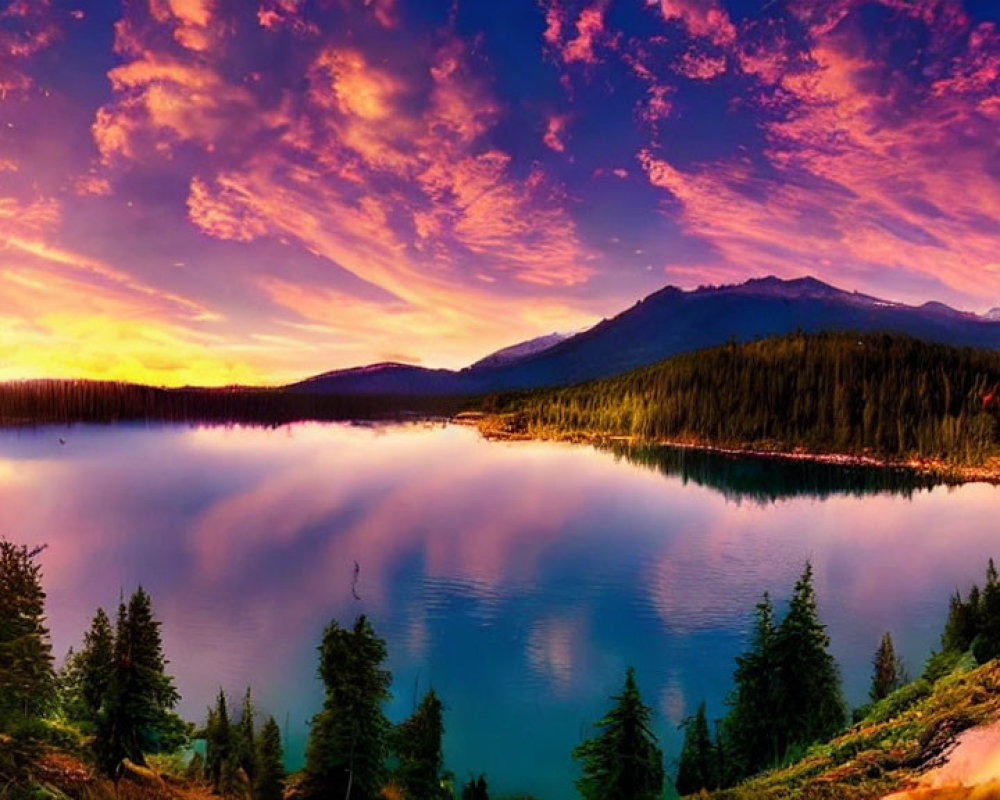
897	738
103	726
783	736
875	395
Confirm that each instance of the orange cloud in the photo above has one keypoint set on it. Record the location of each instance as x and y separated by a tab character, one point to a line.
192	20
161	101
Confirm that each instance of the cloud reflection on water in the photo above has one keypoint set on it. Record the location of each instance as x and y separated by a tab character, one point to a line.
518	579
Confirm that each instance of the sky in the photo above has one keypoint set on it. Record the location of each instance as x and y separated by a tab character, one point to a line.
221	191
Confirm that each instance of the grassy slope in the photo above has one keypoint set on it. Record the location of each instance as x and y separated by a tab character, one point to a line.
902	735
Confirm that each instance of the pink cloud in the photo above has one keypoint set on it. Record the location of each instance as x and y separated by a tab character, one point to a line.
553	25
705	19
278	14
27	29
555	129
589	28
864	176
700	66
658	104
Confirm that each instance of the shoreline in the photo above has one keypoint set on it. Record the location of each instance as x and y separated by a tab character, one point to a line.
492	428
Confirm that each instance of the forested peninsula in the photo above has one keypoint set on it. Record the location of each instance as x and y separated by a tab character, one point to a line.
874	399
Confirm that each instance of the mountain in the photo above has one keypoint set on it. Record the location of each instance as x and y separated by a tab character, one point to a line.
667	323
518	352
387	378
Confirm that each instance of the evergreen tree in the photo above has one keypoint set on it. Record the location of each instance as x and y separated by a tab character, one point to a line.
810	705
962	624
135	716
349	737
987	643
68	686
699	760
623	761
246	740
220	747
27	678
417	744
269	782
888	673
476	789
752	737
95	663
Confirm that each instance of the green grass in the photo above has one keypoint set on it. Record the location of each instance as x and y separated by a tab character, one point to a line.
880	754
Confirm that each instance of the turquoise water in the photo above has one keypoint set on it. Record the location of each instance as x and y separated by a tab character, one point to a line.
517	579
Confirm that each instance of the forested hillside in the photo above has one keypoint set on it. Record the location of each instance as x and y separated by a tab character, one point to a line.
876	394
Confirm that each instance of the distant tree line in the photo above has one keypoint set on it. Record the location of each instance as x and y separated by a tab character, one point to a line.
68	401
880	394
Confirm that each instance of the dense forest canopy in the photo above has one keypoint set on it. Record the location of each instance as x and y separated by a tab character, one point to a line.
880	394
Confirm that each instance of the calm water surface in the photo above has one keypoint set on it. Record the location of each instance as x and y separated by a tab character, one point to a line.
519	580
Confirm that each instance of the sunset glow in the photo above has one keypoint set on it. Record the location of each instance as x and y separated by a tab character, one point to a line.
221	191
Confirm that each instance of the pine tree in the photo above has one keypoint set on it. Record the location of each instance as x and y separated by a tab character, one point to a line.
269	782
136	716
752	737
987	643
27	678
349	737
476	789
69	679
810	704
623	761
417	744
962	624
246	741
888	673
96	663
220	747
699	761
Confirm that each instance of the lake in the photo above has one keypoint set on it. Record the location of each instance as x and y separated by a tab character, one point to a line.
517	579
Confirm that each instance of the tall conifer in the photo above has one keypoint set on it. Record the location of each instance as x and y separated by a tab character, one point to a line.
27	679
888	673
810	704
136	717
269	782
752	736
349	737
624	760
698	767
417	744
